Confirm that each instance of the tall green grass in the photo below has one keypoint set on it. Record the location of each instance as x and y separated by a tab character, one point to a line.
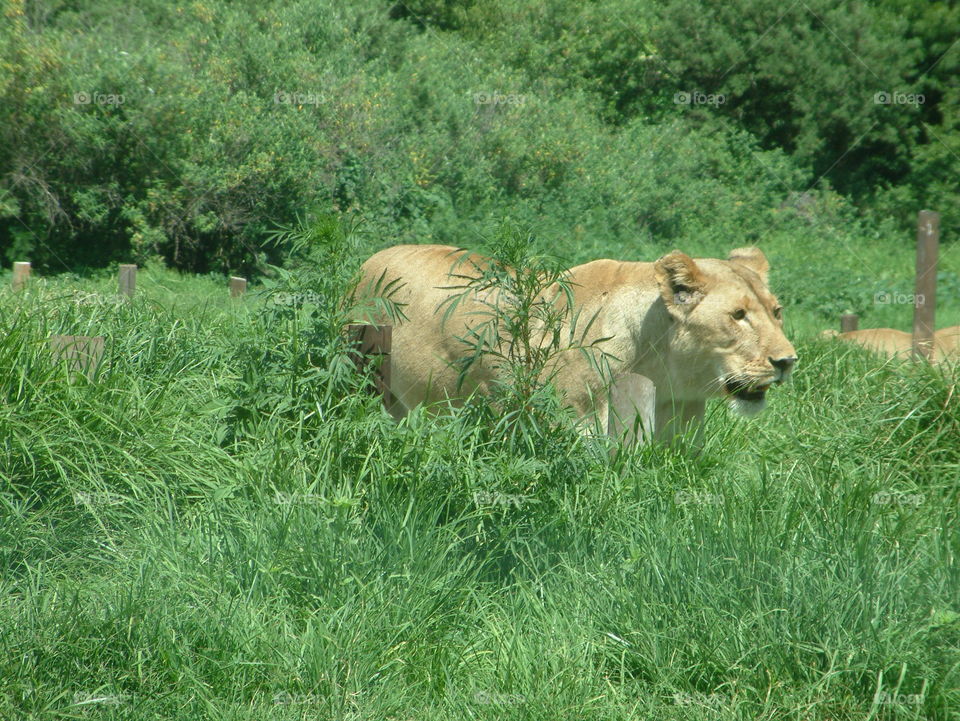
224	524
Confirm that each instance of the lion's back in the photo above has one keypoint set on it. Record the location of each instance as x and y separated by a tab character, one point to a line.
898	343
422	281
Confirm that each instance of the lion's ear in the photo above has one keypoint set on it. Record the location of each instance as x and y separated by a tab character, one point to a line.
682	285
752	258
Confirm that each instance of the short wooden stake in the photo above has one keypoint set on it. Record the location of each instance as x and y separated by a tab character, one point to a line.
238	286
373	341
128	279
81	353
925	293
21	274
849	322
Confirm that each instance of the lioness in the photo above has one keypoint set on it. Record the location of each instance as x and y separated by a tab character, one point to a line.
696	328
948	341
898	343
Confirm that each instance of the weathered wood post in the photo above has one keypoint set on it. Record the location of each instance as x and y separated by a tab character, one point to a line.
21	274
81	353
849	322
238	286
925	293
128	279
374	341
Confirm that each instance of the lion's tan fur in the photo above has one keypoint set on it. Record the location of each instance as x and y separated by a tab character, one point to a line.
669	321
948	340
899	344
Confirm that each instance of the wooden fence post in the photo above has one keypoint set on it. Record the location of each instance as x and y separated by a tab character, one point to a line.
238	286
82	353
21	274
925	293
128	279
372	340
849	322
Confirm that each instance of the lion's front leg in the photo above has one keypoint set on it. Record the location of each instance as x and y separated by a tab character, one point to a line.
675	418
631	412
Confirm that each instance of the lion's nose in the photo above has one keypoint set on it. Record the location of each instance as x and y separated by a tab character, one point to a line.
784	364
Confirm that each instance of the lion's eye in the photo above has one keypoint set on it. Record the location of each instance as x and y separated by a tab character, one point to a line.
739	314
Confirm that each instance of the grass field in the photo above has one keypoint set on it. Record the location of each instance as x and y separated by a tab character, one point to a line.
221	525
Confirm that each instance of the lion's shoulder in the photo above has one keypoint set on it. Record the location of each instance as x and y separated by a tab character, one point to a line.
603	277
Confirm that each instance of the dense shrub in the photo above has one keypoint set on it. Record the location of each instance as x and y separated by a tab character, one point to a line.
189	132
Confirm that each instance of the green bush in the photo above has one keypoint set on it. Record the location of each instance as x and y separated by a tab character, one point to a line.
435	120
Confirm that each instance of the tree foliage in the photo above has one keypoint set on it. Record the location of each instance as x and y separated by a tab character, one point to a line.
189	131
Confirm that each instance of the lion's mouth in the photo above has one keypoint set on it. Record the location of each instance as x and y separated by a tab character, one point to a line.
747	391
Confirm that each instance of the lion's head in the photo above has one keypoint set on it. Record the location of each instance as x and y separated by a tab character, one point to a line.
726	333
